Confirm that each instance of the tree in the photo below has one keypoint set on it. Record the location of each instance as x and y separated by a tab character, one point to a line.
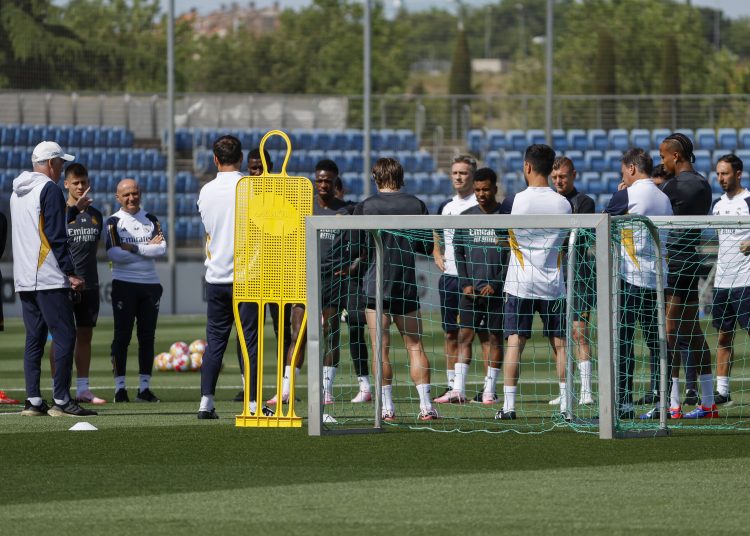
460	76
605	78
670	80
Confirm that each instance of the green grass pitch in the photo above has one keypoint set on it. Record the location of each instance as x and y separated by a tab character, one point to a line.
155	469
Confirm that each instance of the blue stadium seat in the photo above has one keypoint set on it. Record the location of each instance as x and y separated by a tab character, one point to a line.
512	183
706	138
618	139
88	137
689	133
353	184
577	158
496	140
512	161
703	160
559	140
534	136
594	161
407	140
640	137
425	161
17	159
597	139
409	161
611	180
744	155
493	160
602	201
389	139
728	139
128	138
340	142
592	183
439	180
655	156
149	157
612	160
515	140
715	155
658	135
577	140
4	157
744	138
475	141
355	139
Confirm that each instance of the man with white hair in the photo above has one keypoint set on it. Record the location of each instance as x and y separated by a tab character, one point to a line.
43	274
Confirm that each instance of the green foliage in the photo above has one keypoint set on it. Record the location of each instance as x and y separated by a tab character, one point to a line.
460	77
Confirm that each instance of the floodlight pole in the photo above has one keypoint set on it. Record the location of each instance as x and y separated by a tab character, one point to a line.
172	239
548	95
366	83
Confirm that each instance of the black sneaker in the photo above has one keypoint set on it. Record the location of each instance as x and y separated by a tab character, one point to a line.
503	415
648	399
30	410
122	396
146	396
70	409
239	397
208	414
268	412
691	398
478	398
721	400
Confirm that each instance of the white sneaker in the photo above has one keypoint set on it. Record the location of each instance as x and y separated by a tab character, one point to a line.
327	398
273	401
451	397
586	400
555	401
362	397
90	398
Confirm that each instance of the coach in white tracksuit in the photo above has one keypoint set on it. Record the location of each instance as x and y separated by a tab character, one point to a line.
43	273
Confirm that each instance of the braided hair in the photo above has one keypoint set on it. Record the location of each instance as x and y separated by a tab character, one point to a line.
678	139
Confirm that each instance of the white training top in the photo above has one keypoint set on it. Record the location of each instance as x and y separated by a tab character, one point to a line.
216	206
534	266
456	205
732	266
638	250
138	229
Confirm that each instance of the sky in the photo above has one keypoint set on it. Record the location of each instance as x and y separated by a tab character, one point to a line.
732	8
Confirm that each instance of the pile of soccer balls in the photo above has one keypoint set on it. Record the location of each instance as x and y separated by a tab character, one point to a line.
181	357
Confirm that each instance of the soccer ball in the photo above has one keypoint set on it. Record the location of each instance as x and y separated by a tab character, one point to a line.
197	346
196	360
162	361
179	348
181	363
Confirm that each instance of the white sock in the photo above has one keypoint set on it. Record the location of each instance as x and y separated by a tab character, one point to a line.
722	385
364	384
459	381
563	396
119	382
387	393
425	402
674	396
35	400
329	373
706	382
584	368
509	401
144	380
451	378
207	403
82	385
490	381
61	402
285	381
253	406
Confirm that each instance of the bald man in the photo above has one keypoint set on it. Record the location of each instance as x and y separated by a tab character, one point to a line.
134	240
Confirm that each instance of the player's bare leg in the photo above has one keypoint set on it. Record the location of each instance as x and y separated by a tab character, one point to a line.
410	327
724	359
515	346
492	353
386	370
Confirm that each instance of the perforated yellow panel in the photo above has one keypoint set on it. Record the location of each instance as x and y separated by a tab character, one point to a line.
269	265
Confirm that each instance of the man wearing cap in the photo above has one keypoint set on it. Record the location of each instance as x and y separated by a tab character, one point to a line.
43	274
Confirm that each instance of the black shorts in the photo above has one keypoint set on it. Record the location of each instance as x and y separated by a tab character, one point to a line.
397	306
731	306
584	301
331	295
450	296
682	280
519	316
86	307
355	301
481	313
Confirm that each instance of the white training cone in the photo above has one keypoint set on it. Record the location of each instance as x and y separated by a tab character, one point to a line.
82	427
329	419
